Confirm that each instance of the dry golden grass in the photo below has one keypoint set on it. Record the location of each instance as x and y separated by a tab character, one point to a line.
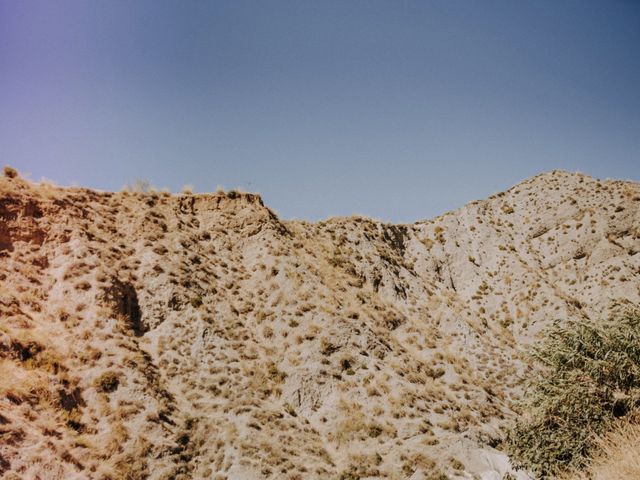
617	457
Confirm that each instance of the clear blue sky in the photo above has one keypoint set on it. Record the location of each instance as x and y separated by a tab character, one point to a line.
399	110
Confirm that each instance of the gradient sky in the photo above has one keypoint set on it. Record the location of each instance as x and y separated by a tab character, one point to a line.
400	110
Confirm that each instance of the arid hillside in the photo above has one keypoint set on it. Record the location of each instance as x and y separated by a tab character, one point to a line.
150	335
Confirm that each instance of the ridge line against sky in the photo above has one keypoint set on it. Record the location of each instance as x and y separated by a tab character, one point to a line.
394	110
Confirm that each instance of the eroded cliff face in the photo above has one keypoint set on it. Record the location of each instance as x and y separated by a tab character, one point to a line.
147	335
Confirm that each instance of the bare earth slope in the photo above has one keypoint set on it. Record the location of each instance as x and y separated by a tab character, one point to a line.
147	335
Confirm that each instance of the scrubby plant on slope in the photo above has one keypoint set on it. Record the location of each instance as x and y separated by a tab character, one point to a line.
590	376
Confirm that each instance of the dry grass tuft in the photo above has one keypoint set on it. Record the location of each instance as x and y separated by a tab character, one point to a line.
9	172
107	382
618	456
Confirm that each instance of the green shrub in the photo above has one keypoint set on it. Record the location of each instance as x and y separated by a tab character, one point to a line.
590	375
